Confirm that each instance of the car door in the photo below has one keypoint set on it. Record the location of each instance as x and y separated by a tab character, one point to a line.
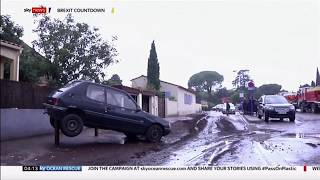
123	111
94	104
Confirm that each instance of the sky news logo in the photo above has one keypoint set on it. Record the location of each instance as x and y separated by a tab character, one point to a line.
38	10
51	168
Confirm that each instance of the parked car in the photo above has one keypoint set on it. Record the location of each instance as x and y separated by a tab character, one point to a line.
275	106
217	107
232	109
83	103
214	108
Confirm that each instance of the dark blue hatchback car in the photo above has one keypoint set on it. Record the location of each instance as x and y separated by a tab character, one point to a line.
83	103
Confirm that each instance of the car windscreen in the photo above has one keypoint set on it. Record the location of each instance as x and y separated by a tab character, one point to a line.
275	100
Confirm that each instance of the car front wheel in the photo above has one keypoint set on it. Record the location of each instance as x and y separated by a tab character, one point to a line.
292	118
258	114
71	125
154	133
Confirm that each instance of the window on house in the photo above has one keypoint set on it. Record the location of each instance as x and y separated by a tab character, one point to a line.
187	99
167	94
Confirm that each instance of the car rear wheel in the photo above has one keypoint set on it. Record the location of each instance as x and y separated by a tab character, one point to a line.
314	108
154	133
302	108
265	117
71	125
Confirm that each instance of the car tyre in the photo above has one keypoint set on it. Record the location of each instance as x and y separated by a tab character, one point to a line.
265	117
292	119
314	108
302	109
259	116
154	133
71	125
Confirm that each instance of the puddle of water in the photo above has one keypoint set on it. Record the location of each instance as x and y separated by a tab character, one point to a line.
301	135
259	132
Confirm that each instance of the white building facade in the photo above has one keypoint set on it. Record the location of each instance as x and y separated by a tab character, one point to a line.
178	100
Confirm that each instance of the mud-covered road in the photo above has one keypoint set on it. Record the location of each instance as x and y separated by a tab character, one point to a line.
238	140
202	139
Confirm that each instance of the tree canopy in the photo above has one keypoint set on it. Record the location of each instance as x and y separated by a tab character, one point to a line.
205	81
114	80
75	49
268	89
241	79
317	83
32	64
10	31
153	72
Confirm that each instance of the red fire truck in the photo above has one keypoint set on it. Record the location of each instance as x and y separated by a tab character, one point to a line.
291	97
308	99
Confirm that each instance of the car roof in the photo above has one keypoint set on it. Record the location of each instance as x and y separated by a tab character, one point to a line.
274	95
106	86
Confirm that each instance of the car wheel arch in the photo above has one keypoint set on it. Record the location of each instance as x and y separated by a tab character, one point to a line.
155	123
77	111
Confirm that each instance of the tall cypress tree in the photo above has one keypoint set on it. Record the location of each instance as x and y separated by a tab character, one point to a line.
153	73
318	78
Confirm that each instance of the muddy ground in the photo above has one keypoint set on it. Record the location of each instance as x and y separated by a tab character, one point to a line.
109	148
204	139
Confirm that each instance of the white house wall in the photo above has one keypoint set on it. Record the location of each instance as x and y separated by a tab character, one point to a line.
170	88
171	108
186	108
198	107
139	83
153	105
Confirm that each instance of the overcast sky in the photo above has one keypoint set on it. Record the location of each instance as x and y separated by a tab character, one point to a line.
277	40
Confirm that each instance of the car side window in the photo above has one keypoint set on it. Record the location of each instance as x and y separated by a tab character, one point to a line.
119	99
96	93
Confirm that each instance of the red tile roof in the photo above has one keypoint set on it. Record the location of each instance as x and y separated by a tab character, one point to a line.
11	44
134	91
